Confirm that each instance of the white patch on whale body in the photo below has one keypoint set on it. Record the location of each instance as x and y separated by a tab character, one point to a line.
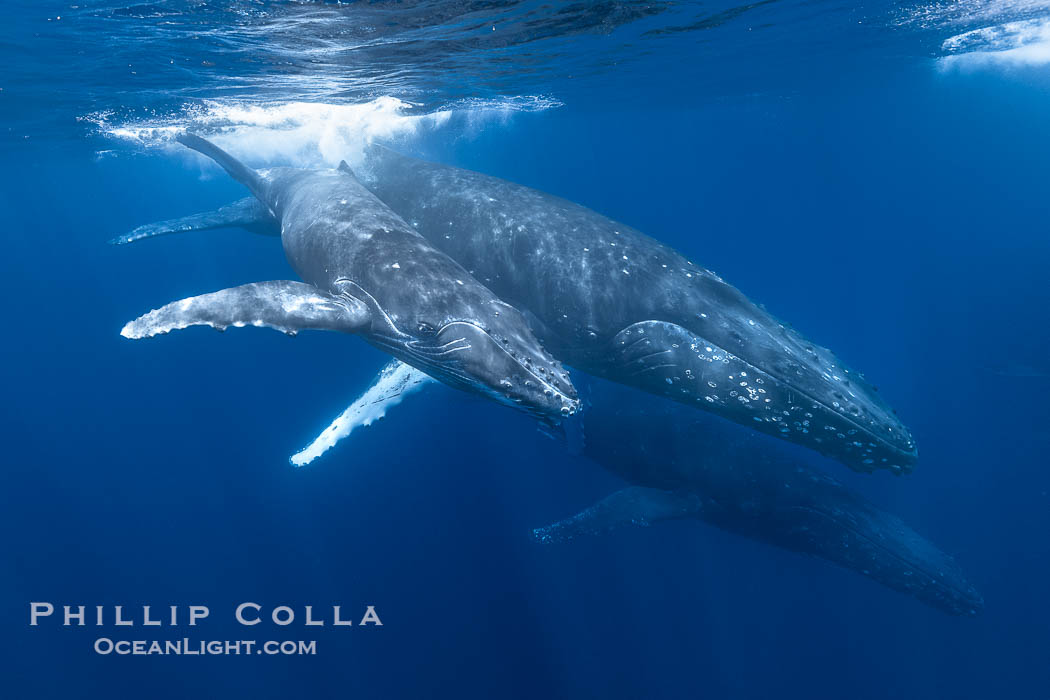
396	381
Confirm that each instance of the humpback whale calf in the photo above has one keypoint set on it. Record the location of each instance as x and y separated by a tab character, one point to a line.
617	304
681	466
367	272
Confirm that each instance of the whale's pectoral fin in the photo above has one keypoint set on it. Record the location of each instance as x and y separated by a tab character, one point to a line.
280	304
395	381
248	213
635	505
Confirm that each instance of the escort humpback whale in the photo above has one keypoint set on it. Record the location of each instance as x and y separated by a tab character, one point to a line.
367	272
680	465
617	304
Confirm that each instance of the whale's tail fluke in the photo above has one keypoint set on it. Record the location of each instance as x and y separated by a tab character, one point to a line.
237	170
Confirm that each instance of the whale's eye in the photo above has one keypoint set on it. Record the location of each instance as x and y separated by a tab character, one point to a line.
425	328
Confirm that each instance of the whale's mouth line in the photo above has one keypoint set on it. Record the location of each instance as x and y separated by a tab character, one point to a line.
773	376
428	364
434	360
544	383
950	587
849	419
438	351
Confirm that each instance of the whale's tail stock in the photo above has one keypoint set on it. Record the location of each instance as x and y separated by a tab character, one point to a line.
236	169
252	213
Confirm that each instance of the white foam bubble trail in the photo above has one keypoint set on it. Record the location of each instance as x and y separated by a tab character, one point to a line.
310	134
985	34
1017	44
396	381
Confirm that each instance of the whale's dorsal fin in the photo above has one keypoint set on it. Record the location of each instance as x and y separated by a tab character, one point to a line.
280	304
635	505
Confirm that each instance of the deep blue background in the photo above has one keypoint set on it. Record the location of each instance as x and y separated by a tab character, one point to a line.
899	216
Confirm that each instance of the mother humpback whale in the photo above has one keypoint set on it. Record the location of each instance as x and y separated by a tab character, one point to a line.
618	304
369	273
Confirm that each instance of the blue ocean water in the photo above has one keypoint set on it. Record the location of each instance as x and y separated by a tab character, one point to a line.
876	174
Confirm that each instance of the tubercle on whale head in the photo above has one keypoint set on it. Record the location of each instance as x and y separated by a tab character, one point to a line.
509	368
745	367
487	349
824	406
848	420
796	389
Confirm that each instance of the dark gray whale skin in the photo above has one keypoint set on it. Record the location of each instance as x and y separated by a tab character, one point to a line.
683	464
618	304
367	272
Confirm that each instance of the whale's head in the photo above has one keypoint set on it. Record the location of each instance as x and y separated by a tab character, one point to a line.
774	379
501	361
729	356
473	341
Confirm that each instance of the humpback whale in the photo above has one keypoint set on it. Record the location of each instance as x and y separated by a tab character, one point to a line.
680	465
367	272
617	304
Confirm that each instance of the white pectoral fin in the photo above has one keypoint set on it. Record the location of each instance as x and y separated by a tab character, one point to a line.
395	381
635	505
280	304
